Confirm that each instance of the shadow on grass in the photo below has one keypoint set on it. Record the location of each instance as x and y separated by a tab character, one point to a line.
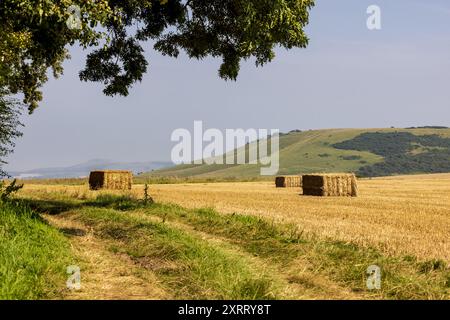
52	207
55	207
75	232
117	202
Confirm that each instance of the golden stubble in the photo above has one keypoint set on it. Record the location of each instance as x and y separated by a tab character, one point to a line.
407	215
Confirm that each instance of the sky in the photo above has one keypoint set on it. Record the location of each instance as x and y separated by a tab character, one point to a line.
348	77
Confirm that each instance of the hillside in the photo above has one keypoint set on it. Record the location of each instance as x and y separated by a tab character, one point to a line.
368	152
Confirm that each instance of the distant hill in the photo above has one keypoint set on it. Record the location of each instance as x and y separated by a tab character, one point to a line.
83	169
368	152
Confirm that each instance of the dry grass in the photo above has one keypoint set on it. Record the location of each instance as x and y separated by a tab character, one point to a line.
407	215
105	275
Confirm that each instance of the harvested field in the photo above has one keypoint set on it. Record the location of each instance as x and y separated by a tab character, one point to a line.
297	247
407	215
399	215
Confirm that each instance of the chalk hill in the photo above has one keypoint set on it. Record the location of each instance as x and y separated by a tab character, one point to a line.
368	152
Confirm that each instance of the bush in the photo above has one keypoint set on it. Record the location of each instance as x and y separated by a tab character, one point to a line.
7	190
397	148
352	157
324	155
9	118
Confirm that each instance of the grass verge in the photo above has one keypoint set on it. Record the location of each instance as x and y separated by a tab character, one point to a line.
33	255
196	267
284	245
189	266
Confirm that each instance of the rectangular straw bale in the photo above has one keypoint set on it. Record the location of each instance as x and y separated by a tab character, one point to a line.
330	185
110	179
288	182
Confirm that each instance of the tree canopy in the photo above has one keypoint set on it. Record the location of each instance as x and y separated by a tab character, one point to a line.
35	34
9	119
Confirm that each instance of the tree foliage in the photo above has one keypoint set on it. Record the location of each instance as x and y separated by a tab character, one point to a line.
9	120
403	153
33	39
34	36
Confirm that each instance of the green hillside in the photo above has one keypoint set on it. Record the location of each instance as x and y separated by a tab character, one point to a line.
368	152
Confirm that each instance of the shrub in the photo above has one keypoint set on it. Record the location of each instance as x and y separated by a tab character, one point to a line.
7	190
396	148
9	118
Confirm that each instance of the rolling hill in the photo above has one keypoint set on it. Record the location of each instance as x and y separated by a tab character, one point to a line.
368	152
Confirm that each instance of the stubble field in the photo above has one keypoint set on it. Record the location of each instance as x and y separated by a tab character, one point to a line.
398	215
250	240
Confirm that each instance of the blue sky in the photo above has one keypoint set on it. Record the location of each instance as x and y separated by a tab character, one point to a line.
347	77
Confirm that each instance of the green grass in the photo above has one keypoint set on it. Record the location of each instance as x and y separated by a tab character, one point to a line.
33	255
189	266
282	244
202	254
170	240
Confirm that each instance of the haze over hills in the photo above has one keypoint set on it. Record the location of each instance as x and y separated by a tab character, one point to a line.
368	152
83	169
